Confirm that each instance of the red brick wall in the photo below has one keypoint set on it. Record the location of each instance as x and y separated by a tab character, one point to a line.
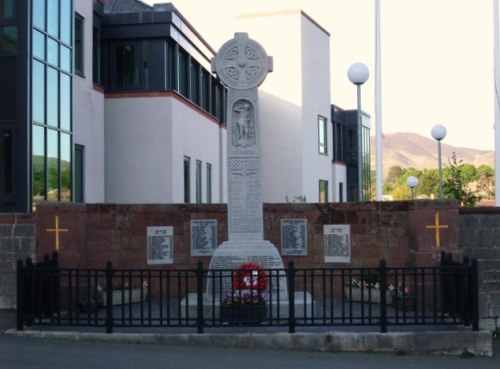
396	231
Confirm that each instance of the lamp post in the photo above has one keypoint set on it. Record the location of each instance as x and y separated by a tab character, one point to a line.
438	133
412	182
358	74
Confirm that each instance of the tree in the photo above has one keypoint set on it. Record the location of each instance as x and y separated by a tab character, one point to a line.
456	185
394	174
486	181
428	183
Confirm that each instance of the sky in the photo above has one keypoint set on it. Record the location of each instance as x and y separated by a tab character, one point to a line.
436	58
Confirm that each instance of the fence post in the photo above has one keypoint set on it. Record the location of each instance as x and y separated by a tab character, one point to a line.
291	297
109	297
199	295
19	292
475	295
383	295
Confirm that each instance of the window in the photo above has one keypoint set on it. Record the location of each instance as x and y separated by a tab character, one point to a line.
322	135
205	90
53	17
198	181
6	152
38	9
51	100
38	92
183	73
127	66
38	152
187	179
78	44
341	192
79	173
7	9
96	55
8	40
209	183
195	82
323	191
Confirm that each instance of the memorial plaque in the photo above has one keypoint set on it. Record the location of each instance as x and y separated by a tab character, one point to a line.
160	245
294	237
203	237
337	239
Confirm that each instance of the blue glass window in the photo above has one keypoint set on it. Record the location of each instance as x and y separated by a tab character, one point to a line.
39	14
52	97
65	102
53	52
38	92
39	44
65	58
66	16
53	17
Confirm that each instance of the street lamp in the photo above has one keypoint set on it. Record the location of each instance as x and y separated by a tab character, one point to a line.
439	132
358	74
412	182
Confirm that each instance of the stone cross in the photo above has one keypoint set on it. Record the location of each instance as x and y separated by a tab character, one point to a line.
242	65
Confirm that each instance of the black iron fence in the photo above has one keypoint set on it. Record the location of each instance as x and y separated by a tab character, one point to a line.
290	298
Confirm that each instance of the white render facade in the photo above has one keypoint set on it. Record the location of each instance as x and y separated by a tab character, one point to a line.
292	99
136	143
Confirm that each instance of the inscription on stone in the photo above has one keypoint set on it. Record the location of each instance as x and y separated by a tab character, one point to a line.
160	245
203	237
294	237
337	241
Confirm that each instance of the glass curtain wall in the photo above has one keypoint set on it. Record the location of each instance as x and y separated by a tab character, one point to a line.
51	100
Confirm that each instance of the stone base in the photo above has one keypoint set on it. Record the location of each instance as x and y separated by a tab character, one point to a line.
303	307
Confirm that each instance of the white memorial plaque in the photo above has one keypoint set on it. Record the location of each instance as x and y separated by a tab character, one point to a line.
160	245
294	237
337	242
203	237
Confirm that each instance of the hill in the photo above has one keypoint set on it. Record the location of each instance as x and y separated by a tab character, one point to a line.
410	150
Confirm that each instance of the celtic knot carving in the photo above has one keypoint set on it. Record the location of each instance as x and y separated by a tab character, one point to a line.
233	73
251	72
232	54
251	53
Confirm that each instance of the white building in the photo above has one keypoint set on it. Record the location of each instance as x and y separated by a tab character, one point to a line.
125	108
295	108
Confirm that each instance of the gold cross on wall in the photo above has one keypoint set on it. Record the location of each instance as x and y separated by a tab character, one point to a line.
437	226
57	230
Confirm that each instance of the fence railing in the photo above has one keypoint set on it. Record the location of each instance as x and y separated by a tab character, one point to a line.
200	298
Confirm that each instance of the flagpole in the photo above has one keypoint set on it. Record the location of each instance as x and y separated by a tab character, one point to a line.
496	70
378	108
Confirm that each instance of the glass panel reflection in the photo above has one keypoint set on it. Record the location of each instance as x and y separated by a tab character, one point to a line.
53	52
38	92
65	58
66	21
65	102
39	45
38	163
52	91
65	167
52	166
39	13
53	17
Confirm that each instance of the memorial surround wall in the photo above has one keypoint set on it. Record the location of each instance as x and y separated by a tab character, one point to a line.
91	234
